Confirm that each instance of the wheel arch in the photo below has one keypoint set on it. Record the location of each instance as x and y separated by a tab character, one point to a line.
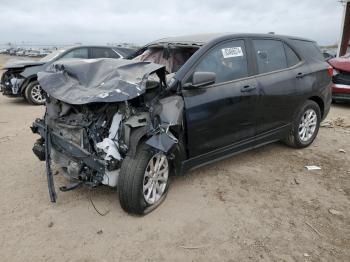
319	101
137	136
27	82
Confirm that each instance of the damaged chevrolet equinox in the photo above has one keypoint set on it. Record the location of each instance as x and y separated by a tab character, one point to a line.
177	104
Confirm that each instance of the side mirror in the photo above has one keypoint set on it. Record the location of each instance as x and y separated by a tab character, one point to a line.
201	79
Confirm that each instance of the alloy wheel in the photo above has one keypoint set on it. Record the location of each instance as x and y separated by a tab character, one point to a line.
307	125
37	94
155	178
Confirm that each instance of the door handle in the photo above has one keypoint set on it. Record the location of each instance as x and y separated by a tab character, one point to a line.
300	75
247	88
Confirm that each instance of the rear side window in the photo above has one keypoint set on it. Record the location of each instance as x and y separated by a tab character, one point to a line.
77	53
228	60
100	52
270	55
292	58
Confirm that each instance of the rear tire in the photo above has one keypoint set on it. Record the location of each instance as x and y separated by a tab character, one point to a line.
305	125
137	175
34	94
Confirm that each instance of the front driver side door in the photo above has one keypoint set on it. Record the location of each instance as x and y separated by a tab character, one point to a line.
221	114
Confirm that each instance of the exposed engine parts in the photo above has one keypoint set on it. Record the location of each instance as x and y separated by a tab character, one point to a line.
89	140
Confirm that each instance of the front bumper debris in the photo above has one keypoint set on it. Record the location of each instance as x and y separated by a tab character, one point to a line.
12	87
52	139
59	143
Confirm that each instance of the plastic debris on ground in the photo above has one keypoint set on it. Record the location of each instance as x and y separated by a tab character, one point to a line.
311	168
335	212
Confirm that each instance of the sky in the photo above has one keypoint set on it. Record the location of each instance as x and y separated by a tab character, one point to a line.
140	21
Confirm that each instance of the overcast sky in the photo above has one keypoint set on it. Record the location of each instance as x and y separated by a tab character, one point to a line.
140	21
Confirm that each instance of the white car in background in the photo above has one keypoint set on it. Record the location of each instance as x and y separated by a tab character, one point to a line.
21	52
44	52
33	53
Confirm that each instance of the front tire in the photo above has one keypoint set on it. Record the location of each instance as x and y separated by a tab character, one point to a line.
305	126
34	94
143	180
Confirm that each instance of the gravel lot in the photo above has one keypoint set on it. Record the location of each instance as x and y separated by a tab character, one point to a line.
262	205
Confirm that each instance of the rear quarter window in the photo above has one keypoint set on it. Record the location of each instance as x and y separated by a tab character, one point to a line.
292	57
309	50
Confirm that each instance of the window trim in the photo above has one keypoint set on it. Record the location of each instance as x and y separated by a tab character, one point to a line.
301	60
249	64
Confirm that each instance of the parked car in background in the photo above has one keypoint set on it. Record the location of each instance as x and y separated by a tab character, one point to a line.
45	52
179	103
33	53
20	78
3	51
20	52
12	51
341	78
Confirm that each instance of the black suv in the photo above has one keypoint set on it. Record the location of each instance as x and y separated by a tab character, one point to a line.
20	78
177	104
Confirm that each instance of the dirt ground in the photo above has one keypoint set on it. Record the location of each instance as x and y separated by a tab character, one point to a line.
262	205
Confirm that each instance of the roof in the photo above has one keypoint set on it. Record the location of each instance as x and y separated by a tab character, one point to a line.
124	51
198	39
201	39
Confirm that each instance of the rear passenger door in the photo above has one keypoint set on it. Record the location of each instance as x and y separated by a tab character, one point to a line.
276	77
102	52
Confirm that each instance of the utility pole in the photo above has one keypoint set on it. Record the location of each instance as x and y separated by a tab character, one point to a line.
345	29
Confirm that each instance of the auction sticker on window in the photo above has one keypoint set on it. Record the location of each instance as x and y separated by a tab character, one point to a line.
232	52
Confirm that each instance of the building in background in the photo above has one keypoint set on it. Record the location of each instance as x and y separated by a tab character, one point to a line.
344	40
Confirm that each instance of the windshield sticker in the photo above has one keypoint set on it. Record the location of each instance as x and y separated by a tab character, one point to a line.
232	52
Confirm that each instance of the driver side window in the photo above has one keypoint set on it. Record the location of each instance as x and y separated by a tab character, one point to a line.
227	60
77	53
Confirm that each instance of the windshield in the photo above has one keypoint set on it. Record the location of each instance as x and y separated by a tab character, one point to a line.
172	58
52	56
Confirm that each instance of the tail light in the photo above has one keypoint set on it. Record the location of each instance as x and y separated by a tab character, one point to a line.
330	71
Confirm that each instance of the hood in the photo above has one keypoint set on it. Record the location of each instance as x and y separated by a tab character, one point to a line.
86	81
22	64
340	63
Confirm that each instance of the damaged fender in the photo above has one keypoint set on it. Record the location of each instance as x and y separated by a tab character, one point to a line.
169	112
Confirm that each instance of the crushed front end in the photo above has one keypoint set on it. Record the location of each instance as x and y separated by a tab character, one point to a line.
93	121
15	78
11	82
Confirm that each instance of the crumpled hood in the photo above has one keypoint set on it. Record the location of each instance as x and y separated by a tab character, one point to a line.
21	64
98	80
340	63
